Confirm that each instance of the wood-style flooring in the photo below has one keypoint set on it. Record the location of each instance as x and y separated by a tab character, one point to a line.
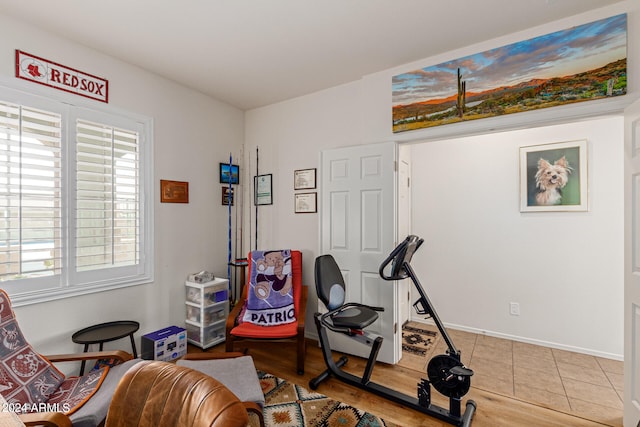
495	408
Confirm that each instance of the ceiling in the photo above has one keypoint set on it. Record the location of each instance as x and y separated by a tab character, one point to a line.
251	53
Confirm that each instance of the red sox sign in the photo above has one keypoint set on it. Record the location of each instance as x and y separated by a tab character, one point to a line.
45	72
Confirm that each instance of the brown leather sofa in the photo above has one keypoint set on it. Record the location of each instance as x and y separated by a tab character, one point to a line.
161	394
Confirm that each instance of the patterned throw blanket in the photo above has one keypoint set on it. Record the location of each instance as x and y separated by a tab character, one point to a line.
270	294
28	381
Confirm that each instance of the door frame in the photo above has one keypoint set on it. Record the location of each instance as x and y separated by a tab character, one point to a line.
631	402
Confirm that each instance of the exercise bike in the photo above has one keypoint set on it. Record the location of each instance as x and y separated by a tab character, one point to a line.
446	373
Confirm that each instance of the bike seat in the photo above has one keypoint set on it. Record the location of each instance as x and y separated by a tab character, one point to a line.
354	317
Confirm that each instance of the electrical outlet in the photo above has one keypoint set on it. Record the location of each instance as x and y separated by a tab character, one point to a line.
514	309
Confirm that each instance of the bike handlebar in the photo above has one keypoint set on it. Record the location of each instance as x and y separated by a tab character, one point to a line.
401	254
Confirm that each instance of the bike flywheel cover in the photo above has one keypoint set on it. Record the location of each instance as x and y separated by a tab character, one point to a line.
446	383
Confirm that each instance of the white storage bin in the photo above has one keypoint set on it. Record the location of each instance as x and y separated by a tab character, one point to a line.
207	309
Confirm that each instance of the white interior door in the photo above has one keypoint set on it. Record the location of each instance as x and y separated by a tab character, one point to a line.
632	267
358	227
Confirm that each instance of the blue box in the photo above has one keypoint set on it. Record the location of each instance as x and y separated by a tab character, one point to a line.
221	296
166	344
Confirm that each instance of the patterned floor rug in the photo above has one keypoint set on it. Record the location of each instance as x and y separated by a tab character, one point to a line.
417	344
290	405
417	340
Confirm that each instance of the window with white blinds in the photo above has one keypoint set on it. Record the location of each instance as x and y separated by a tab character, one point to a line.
74	208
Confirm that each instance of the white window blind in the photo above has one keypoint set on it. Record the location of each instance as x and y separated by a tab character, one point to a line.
30	192
107	196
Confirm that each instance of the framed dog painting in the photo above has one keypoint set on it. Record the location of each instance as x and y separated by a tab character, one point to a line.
553	177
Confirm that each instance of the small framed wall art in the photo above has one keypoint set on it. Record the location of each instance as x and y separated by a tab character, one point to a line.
229	173
306	202
174	191
263	190
304	179
227	196
553	177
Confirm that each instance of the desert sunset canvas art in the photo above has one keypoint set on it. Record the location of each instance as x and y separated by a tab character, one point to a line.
583	63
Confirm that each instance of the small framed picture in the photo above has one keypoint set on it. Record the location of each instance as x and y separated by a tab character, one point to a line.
229	174
306	202
227	196
553	177
174	191
263	194
304	179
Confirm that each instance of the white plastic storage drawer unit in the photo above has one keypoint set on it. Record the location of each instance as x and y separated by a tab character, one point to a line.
207	308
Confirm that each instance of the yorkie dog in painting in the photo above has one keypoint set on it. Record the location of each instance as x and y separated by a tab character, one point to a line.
550	180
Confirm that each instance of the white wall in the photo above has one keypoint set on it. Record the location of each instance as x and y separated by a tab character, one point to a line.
565	269
193	133
291	134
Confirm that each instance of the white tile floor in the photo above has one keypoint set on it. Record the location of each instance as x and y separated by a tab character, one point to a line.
570	382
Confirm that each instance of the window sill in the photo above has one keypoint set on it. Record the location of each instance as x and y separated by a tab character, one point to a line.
30	298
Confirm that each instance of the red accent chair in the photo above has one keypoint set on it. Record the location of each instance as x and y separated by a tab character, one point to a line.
236	330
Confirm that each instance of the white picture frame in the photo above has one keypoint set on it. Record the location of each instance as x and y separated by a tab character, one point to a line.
553	177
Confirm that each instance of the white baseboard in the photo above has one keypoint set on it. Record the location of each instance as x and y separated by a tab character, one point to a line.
558	346
314	336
